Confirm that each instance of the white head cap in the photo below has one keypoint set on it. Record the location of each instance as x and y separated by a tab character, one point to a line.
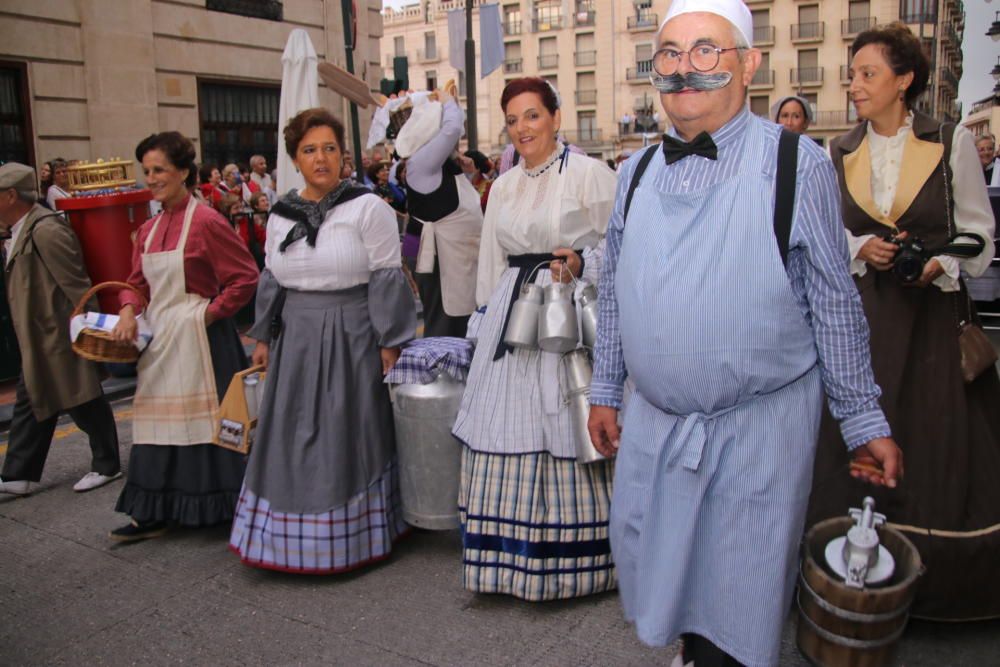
733	11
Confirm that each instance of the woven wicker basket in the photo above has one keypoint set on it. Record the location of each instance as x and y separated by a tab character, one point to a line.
99	345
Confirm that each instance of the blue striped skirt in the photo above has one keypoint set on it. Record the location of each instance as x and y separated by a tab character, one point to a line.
535	526
349	536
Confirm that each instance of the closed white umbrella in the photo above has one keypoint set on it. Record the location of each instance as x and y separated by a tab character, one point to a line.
299	91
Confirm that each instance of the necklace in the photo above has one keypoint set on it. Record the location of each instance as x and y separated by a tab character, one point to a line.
538	171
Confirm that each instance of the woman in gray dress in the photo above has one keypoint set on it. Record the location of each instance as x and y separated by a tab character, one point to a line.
333	308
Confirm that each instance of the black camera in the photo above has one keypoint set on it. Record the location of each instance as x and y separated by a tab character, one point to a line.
910	258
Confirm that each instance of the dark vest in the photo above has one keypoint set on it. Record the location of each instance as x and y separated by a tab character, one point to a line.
432	206
926	216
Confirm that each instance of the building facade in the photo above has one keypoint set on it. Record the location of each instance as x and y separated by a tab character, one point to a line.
984	117
88	79
599	53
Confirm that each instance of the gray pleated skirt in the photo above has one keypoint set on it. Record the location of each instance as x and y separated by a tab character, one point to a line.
325	428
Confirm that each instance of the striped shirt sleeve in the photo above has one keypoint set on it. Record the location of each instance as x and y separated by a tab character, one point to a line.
820	269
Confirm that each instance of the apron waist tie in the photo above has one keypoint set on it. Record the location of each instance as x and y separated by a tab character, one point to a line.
524	264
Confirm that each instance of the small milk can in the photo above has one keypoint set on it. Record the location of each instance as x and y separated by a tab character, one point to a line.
522	326
251	389
577	394
588	315
557	327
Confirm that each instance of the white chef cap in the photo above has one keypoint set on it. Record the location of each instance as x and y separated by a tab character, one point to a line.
733	11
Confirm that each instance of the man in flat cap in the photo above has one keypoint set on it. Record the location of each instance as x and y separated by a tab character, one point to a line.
45	278
726	298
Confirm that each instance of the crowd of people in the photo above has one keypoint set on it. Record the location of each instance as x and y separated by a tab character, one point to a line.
761	363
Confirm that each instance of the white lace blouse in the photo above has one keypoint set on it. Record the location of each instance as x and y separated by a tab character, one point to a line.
972	210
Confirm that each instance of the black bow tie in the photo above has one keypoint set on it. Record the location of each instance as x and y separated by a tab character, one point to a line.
675	149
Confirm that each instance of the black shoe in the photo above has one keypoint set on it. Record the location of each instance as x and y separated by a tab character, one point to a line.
135	531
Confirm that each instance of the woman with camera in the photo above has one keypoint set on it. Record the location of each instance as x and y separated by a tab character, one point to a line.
909	184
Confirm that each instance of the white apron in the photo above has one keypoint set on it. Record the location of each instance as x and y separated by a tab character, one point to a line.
175	400
455	240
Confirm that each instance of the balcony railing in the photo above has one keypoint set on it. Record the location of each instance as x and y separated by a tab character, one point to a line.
512	27
547	24
954	40
586	96
919	17
513	66
428	55
548	61
643	21
640	72
839	118
845	74
584	137
763	35
948	77
804	32
807	76
584	18
763	78
585	58
851	27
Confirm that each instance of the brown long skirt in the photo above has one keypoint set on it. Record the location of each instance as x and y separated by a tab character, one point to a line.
948	503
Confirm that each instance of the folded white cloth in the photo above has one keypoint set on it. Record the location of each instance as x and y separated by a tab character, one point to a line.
105	322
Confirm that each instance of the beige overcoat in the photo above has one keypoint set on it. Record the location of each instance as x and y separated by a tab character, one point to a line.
45	278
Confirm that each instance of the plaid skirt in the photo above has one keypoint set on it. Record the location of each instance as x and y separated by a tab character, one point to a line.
357	533
535	526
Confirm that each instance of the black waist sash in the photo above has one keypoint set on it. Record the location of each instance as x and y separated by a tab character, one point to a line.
524	264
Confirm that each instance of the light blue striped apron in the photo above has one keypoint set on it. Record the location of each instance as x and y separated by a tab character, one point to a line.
715	465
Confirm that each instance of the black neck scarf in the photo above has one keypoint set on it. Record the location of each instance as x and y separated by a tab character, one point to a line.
309	215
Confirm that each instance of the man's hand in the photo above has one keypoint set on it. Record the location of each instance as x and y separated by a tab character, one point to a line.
603	428
878	462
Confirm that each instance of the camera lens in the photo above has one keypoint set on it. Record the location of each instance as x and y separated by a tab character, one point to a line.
909	266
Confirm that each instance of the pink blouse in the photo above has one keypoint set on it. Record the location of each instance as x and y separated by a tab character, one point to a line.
217	264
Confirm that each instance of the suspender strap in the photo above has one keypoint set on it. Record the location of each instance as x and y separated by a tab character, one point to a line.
640	169
784	191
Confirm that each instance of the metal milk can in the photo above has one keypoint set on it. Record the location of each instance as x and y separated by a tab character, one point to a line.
577	394
557	327
429	455
522	326
588	315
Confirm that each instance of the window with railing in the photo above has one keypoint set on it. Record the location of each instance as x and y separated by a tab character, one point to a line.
640	72
259	9
917	11
548	15
642	19
512	19
238	121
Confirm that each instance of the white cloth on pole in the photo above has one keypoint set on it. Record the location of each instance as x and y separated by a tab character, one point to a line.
299	91
490	39
456	39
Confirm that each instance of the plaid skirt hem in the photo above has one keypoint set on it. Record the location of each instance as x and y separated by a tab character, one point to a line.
355	534
535	526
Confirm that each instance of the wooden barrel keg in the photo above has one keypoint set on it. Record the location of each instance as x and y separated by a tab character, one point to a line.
847	627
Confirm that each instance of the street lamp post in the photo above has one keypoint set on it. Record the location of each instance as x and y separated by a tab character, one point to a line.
470	80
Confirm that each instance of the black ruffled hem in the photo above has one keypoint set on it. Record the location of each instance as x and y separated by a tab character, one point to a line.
185	509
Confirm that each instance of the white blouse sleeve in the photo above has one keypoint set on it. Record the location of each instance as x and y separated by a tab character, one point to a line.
854	243
379	234
492	259
598	199
972	210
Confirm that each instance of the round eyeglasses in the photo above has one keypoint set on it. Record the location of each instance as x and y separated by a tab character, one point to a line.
703	58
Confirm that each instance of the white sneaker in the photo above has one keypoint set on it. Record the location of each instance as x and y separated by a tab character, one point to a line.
19	487
92	480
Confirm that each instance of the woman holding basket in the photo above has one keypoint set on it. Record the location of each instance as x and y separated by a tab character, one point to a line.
196	273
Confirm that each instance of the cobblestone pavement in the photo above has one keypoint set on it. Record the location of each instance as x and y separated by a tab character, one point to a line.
68	596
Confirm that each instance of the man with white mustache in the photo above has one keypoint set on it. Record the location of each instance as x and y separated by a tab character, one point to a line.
726	298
